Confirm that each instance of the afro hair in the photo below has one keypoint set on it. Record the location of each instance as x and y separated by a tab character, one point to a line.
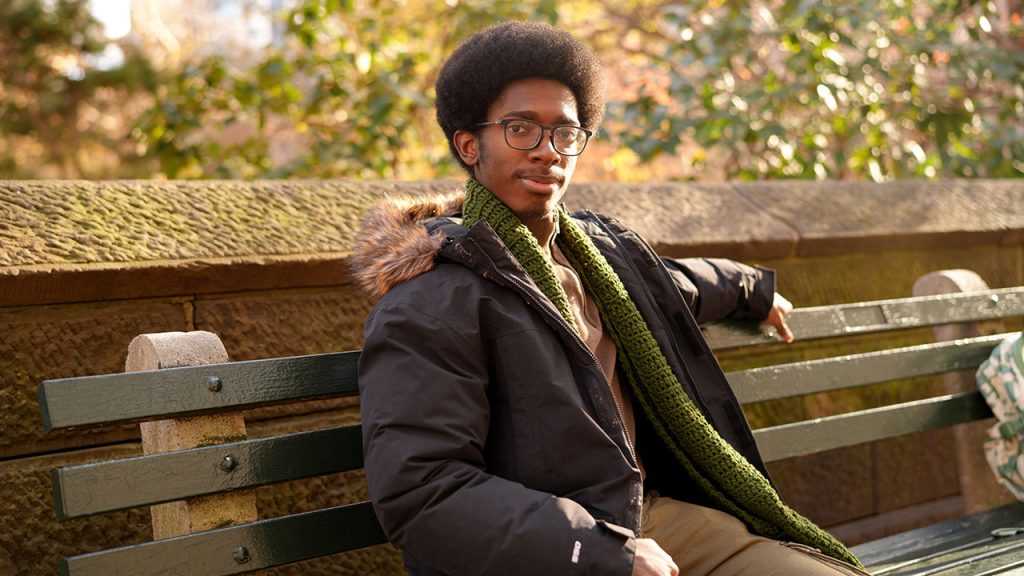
480	69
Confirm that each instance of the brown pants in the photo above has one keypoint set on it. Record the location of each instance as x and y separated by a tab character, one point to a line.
703	541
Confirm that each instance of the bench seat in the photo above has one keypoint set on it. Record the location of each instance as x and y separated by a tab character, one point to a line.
983	543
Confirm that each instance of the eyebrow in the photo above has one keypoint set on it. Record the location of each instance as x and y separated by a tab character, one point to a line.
531	115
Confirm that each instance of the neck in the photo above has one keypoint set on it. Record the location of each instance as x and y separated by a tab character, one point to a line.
543	229
522	237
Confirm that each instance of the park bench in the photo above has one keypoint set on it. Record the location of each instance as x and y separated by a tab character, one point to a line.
198	469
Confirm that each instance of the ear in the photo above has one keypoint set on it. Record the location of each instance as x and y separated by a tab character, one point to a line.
468	146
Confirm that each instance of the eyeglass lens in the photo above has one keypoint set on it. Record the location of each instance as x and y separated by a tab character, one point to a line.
525	135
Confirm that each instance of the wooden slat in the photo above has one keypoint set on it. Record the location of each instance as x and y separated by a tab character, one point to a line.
799	378
879	316
931	540
135	396
995	557
145	395
105	486
788	440
267	543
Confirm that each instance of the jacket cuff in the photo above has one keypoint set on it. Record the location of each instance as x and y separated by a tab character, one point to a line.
612	550
760	302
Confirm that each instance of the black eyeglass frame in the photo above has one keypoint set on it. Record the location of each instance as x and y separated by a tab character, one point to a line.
551	133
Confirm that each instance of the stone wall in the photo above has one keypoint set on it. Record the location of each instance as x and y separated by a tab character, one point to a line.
86	266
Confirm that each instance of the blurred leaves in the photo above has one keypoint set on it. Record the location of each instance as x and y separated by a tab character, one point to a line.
54	96
875	89
350	93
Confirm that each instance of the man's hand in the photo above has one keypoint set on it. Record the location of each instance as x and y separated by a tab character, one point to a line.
777	317
651	560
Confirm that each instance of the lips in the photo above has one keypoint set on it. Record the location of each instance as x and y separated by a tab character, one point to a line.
541	182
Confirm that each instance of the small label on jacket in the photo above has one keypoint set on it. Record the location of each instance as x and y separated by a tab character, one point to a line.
576	552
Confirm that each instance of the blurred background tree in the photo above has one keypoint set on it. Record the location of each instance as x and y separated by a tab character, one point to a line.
347	90
877	89
65	111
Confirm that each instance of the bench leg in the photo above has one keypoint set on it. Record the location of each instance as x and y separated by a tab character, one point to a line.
171	350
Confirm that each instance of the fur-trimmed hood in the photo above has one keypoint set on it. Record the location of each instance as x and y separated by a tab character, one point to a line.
394	245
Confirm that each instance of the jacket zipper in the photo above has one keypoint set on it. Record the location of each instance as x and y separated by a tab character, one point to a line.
580	343
564	324
654	303
576	338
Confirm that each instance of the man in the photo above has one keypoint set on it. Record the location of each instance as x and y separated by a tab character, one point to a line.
536	394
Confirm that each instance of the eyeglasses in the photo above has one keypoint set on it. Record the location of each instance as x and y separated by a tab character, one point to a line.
522	134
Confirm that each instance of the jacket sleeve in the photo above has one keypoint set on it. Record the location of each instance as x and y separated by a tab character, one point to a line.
425	411
716	288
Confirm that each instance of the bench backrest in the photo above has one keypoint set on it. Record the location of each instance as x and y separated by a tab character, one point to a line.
859	370
189	391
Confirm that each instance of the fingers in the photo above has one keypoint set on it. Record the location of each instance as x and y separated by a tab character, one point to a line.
651	560
777	317
784	332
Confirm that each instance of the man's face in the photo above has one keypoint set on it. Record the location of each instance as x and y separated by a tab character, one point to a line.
530	182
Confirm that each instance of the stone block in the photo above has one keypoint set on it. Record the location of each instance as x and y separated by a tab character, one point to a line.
47	342
682	220
148	221
75	241
151	221
287	323
829	488
915	468
31	538
79	241
891	274
122	281
846	217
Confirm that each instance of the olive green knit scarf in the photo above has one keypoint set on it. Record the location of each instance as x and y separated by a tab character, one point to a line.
722	472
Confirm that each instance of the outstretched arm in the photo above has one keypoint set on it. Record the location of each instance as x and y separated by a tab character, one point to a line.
717	289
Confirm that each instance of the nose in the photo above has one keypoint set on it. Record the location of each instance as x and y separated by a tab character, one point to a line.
545	149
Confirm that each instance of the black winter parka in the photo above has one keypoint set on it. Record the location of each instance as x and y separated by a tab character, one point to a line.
492	442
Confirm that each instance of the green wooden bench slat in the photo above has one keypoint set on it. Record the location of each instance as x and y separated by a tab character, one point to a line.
799	378
880	316
145	480
135	396
180	391
899	548
788	440
269	543
982	559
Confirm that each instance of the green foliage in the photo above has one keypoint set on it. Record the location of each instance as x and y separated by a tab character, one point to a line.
813	89
48	81
350	93
877	89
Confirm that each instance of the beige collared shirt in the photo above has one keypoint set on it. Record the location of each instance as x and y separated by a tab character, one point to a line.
591	330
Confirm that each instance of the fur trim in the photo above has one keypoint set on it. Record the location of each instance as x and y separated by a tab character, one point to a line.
394	246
